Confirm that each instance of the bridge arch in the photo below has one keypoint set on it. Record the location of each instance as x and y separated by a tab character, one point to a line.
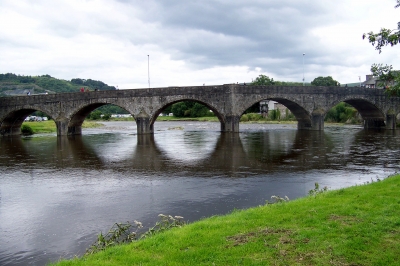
74	123
302	115
11	123
372	115
159	110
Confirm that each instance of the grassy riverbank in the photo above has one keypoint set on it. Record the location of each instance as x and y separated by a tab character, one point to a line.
354	226
50	126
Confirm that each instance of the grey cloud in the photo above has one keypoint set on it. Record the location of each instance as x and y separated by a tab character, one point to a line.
226	33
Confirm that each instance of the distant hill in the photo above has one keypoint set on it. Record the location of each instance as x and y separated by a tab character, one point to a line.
11	84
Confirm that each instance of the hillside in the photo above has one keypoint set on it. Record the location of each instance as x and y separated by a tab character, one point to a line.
11	84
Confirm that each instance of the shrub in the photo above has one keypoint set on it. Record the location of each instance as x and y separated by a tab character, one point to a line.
26	130
244	118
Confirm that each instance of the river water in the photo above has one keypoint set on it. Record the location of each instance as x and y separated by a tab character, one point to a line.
58	193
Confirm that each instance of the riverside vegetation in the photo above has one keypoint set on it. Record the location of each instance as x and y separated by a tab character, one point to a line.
359	225
30	128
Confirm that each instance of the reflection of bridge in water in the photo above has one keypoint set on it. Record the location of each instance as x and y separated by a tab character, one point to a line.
230	153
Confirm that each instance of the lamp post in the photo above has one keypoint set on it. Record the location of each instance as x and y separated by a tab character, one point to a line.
148	69
303	67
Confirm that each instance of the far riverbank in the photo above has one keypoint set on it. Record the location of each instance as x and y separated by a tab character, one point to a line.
50	127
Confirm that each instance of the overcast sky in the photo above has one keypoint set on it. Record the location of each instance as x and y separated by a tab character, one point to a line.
193	42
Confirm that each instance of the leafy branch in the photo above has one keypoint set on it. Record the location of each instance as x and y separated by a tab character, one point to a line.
385	36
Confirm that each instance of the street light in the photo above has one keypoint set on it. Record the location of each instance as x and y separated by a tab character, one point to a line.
148	69
303	67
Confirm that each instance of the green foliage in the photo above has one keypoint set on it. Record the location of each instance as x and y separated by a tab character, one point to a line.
325	81
26	130
289	115
93	84
387	78
278	199
15	79
190	109
112	109
106	116
385	36
251	117
263	80
200	110
165	222
274	114
95	115
178	109
105	111
126	232
341	113
55	85
41	114
48	83
50	126
316	191
118	234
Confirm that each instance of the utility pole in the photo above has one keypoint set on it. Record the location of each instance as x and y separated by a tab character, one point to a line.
303	67
148	69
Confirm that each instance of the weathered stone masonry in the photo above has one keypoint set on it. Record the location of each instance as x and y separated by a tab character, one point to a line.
308	104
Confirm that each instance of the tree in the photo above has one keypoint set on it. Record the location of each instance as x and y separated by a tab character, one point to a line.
178	109
325	81
263	80
387	78
385	36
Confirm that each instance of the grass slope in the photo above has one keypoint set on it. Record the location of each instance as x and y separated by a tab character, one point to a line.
353	226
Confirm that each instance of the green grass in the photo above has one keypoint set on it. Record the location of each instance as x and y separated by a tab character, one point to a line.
354	226
50	126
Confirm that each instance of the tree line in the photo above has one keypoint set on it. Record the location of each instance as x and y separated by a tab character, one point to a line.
51	84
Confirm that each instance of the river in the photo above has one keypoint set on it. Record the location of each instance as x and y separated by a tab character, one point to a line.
58	193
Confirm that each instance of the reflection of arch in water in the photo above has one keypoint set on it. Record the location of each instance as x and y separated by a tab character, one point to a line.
73	151
234	154
305	150
258	151
13	148
189	147
364	145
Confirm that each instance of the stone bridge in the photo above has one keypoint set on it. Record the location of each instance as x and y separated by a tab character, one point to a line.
309	104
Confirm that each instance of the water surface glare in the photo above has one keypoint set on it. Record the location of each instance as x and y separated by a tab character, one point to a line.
58	193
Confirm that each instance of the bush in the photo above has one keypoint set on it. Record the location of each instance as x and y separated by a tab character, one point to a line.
244	118
26	130
274	115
